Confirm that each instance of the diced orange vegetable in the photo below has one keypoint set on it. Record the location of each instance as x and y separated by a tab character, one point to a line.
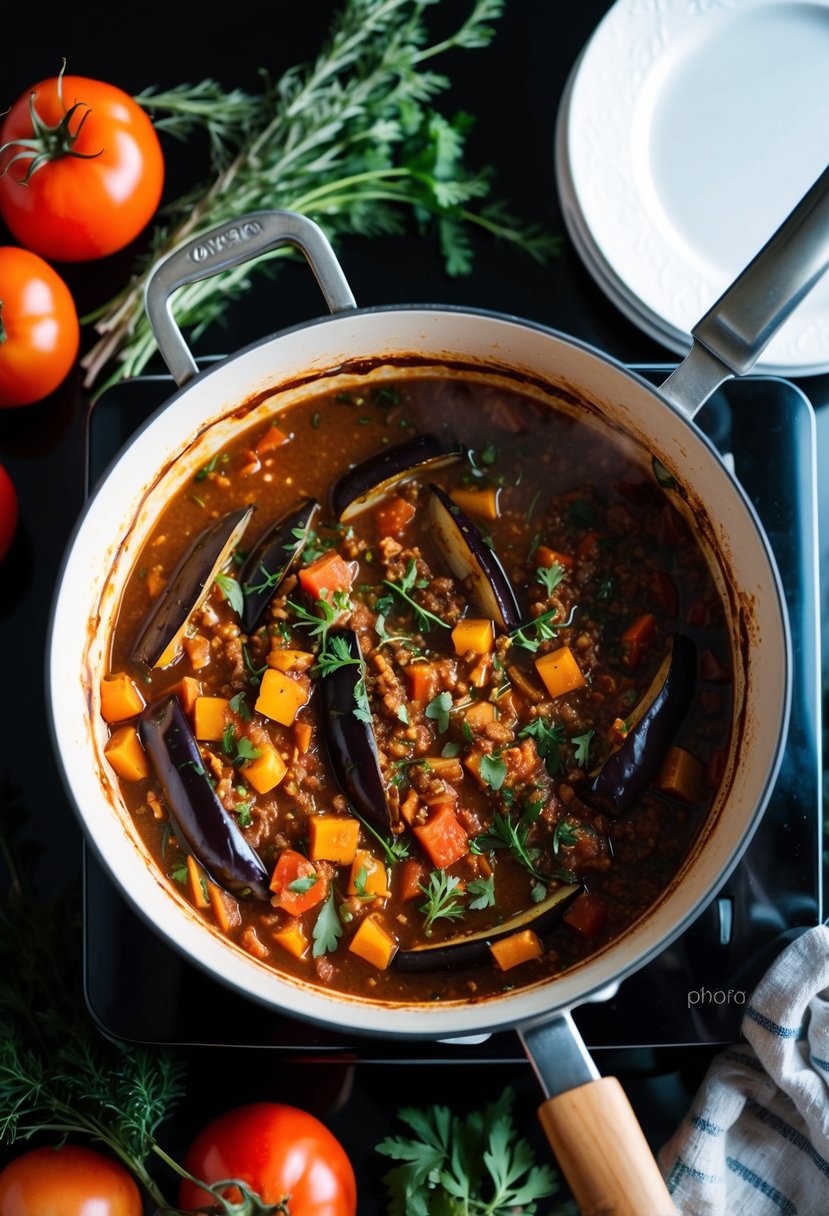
197	649
481	672
210	718
409	807
371	875
560	671
374	943
272	438
482	503
293	939
587	914
480	715
412	876
280	698
547	557
681	775
422	680
394	516
290	660
187	689
442	836
448	768
126	755
197	884
636	637
516	949
326	575
303	733
120	698
266	771
474	634
333	838
292	867
472	763
587	544
225	908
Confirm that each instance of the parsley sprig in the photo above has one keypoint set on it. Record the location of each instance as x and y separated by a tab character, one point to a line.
444	899
544	628
403	588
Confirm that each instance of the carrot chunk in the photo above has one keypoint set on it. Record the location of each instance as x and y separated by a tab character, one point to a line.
126	755
560	671
548	557
636	637
326	575
516	949
272	438
266	771
483	503
473	634
120	698
412	876
294	870
587	914
443	837
393	517
280	698
333	838
422	680
303	733
187	689
196	883
210	718
374	943
225	908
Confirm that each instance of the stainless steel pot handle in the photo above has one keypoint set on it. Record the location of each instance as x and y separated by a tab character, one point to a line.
229	245
733	334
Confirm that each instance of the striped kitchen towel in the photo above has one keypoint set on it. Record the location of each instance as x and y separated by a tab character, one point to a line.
756	1141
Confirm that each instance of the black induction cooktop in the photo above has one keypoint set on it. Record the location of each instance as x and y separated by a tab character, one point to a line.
694	992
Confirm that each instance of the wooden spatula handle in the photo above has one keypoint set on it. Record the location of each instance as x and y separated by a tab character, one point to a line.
603	1153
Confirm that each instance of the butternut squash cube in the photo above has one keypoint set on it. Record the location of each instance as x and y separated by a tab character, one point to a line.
210	718
517	948
225	908
473	634
369	876
266	771
290	660
681	775
483	503
187	689
374	943
126	755
280	698
293	939
333	838
560	671
120	698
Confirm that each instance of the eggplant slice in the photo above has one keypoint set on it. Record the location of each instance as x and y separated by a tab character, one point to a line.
349	736
273	557
159	641
373	479
199	820
627	773
468	949
469	557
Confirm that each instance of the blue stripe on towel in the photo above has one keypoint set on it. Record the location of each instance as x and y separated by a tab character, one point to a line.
818	1063
782	1032
765	1188
705	1125
680	1170
739	1057
788	1133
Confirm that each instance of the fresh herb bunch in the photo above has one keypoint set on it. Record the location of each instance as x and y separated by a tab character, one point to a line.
473	1166
351	140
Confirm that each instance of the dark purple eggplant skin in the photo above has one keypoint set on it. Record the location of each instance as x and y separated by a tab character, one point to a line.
198	818
481	557
627	773
391	464
349	741
186	583
462	954
278	549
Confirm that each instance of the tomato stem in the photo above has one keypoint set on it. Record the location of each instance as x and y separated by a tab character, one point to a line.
47	142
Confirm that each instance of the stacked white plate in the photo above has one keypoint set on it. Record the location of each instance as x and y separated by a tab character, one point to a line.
687	132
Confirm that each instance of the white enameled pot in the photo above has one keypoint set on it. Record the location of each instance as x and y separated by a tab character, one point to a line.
331	352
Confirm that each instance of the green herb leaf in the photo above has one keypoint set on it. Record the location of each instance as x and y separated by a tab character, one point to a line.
582	743
403	714
240	706
301	886
564	834
232	592
327	929
450	750
443	899
550	576
425	620
245	750
493	771
548	737
243	814
484	891
545	630
438	710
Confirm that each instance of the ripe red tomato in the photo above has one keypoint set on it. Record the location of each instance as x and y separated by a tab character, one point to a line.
280	1152
39	331
8	512
96	195
67	1181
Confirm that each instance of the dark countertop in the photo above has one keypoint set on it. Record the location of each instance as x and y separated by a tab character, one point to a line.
513	88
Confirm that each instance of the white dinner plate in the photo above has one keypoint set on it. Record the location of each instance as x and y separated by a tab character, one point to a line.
688	133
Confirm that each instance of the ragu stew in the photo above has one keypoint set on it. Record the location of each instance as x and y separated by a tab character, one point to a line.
420	691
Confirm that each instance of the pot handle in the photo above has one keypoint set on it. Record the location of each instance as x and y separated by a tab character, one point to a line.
591	1127
733	334
228	245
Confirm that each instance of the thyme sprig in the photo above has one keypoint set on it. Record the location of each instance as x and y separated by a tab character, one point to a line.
351	140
